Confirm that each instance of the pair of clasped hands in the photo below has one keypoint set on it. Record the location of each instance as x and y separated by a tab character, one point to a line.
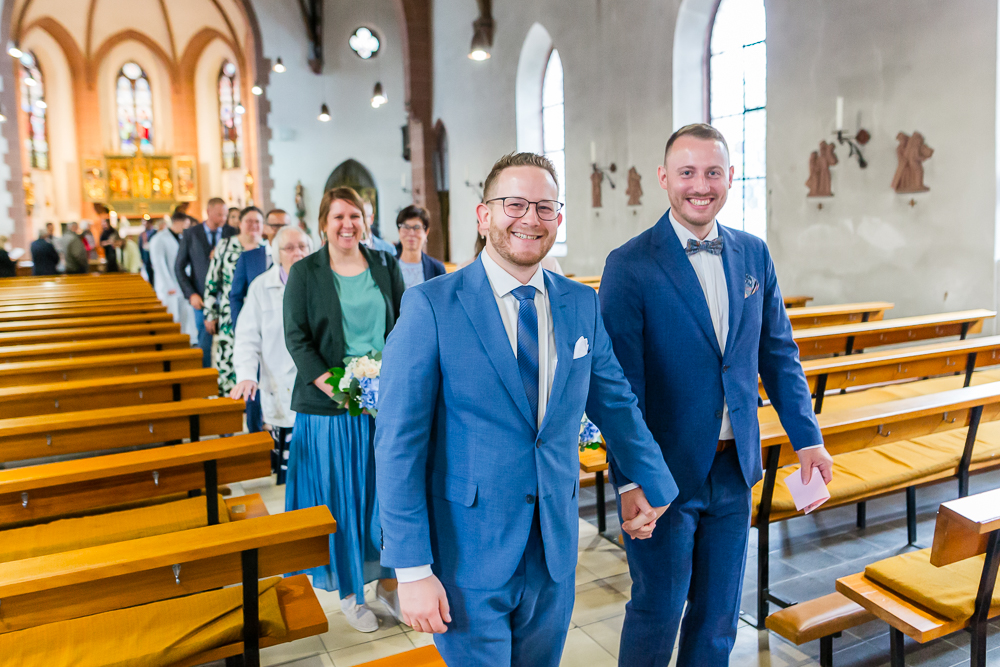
424	603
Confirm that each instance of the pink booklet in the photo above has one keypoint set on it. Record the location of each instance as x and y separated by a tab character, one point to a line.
805	495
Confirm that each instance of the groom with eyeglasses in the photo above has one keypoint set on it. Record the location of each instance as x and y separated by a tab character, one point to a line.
485	379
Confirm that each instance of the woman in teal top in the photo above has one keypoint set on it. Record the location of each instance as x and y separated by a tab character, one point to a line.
341	301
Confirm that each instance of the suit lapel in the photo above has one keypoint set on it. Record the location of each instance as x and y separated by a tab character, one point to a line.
735	266
477	298
670	255
563	315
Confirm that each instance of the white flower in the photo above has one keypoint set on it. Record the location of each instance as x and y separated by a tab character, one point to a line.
345	383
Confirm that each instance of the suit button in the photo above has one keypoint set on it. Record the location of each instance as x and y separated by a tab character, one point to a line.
530	499
718	414
725	369
538	444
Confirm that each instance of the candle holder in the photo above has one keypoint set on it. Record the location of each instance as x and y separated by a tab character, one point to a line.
476	187
612	168
855	143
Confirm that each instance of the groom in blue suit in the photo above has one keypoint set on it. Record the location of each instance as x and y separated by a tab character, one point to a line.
695	314
484	382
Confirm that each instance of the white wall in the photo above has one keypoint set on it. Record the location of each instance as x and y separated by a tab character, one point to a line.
903	65
304	148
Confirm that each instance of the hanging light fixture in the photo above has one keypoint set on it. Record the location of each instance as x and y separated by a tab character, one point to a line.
3	118
480	49
240	109
257	90
279	66
378	96
482	36
29	81
42	104
324	113
13	50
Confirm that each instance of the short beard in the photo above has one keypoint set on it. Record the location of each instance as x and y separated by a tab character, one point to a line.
498	239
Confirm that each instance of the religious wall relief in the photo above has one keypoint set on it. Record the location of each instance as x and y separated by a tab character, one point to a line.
634	190
820	161
596	178
911	153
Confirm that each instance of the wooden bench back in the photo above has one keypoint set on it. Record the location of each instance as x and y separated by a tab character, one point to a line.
846	313
10	326
44	371
88	333
964	526
93	347
97	308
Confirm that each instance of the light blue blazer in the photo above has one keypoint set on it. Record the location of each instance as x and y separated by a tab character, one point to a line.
460	463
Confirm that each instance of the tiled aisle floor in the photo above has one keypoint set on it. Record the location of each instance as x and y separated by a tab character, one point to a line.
808	555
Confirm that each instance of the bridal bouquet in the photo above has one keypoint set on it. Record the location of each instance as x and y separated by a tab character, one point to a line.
590	437
355	387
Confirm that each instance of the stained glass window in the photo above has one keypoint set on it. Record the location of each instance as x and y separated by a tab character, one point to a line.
34	107
738	95
230	116
554	127
135	110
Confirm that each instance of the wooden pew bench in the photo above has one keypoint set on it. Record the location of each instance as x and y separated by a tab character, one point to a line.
39	325
71	334
848	338
108	392
846	313
425	656
937	592
25	438
593	464
824	618
63	298
45	371
880	450
97	346
95	308
70	604
796	301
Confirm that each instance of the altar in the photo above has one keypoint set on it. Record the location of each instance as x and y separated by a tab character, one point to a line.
139	185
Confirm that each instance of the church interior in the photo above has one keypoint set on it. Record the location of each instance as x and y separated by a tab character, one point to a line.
841	119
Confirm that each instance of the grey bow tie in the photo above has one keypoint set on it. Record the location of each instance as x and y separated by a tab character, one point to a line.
714	246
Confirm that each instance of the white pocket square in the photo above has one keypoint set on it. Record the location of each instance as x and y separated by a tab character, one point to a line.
582	348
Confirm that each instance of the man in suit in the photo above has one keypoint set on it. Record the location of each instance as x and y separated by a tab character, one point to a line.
163	249
43	254
74	250
694	313
484	382
191	267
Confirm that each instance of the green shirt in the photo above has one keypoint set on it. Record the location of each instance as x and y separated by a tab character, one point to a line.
363	308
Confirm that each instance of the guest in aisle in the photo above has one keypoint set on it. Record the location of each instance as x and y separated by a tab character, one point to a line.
341	301
233	217
130	258
259	350
191	267
44	254
76	258
109	236
162	256
149	230
87	236
372	239
8	267
218	282
416	265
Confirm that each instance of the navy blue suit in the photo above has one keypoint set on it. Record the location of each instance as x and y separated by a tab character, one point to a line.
657	316
432	267
468	482
249	265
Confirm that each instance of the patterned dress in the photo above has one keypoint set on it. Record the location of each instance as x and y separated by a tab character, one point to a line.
218	284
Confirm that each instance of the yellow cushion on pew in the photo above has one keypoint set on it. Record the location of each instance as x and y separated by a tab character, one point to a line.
153	635
90	531
860	473
949	591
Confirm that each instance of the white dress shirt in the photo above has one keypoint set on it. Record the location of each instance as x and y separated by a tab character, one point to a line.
503	284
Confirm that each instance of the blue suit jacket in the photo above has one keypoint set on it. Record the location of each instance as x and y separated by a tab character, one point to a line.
249	265
432	267
658	319
459	460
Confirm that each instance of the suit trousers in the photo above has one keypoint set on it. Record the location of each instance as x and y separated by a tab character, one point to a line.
522	624
204	339
697	555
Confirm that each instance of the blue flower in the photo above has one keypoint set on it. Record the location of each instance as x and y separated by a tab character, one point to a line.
589	433
369	393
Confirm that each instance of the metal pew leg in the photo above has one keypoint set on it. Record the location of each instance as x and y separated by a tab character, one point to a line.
911	515
602	520
826	651
897	653
862	520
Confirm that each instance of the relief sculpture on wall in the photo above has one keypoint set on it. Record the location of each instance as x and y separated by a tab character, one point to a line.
911	152
634	190
819	182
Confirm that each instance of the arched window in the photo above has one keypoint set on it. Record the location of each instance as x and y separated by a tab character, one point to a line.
737	99
554	127
34	107
230	116
135	110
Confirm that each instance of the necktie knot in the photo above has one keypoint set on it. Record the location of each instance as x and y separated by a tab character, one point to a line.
713	247
524	292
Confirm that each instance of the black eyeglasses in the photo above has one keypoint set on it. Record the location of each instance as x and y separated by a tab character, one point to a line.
517	207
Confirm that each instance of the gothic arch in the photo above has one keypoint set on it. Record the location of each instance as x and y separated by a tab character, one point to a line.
690	61
351	173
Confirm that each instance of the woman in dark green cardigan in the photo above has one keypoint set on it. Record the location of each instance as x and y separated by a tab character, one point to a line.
341	301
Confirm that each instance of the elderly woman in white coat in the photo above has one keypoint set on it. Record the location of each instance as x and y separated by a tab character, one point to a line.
259	345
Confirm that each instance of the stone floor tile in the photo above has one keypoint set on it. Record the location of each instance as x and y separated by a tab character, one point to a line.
380	648
342	635
292	651
582	651
597	601
607	633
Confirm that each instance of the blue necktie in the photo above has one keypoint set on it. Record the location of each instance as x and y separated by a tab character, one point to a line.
713	247
527	344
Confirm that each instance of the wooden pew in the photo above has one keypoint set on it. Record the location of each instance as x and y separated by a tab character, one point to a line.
846	313
97	346
88	582
425	656
84	333
40	325
64	298
108	392
869	427
23	438
36	493
848	338
796	301
108	307
46	371
965	528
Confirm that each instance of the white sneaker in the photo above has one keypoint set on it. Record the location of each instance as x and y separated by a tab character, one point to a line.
358	616
391	601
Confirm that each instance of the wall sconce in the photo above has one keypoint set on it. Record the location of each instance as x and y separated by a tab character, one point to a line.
482	36
378	96
854	143
324	113
257	90
279	66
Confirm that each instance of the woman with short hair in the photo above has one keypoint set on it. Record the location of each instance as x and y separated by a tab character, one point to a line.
417	267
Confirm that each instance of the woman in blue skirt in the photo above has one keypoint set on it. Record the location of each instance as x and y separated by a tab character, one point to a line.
341	301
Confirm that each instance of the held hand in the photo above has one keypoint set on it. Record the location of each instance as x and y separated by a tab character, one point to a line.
245	390
425	605
171	292
819	459
321	384
639	517
212	326
196	302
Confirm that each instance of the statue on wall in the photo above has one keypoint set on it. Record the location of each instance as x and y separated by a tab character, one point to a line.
596	178
911	152
300	207
634	190
820	161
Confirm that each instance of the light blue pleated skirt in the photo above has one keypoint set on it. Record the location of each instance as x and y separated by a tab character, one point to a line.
332	462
